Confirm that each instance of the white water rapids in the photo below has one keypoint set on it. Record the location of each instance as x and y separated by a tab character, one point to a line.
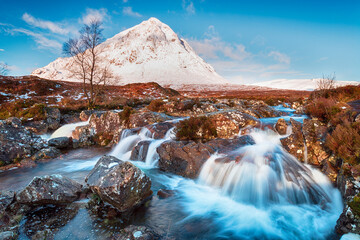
255	192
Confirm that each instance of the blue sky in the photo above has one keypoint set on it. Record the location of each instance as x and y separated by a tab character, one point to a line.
245	40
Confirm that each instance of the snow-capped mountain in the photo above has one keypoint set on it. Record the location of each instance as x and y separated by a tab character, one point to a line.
299	84
148	52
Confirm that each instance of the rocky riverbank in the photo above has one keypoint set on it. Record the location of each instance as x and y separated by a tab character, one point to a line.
115	188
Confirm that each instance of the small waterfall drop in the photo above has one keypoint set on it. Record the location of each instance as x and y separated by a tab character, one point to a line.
152	156
264	174
67	129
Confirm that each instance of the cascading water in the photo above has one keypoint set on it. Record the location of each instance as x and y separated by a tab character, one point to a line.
67	129
152	155
261	192
264	174
127	141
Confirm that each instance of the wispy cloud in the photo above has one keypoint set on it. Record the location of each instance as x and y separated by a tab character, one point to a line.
189	7
40	39
280	57
212	47
236	63
128	11
2	50
94	14
44	24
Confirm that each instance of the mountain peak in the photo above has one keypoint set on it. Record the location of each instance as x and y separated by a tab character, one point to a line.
148	52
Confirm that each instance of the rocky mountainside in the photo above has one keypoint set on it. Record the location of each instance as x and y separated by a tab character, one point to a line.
148	52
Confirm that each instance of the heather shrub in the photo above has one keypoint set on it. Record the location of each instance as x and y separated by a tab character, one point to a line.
344	141
125	114
322	108
196	128
156	105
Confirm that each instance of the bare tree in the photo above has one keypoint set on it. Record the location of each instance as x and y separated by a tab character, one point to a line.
327	82
87	64
4	69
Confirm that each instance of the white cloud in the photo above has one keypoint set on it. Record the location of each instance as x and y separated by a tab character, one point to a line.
125	1
189	7
128	11
280	57
94	14
53	27
40	39
212	47
2	50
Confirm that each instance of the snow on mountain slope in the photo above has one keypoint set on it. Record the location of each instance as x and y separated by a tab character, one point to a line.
148	52
298	84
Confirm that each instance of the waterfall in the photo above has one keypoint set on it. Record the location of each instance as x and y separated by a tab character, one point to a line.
152	156
129	139
67	129
264	174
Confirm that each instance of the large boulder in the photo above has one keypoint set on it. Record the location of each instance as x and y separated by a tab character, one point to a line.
183	158
228	123
141	119
16	142
46	153
119	183
294	143
60	142
281	126
53	189
186	158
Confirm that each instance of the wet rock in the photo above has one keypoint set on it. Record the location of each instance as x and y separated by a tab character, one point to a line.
46	153
8	235
159	130
329	170
53	117
136	233
314	134
60	142
53	189
38	127
83	135
183	158
44	222
164	193
70	118
142	119
86	114
6	198
259	109
186	158
229	123
281	126
227	145
140	150
348	222
16	142
294	143
119	183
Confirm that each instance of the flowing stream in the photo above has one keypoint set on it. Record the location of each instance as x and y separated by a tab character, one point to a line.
262	193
